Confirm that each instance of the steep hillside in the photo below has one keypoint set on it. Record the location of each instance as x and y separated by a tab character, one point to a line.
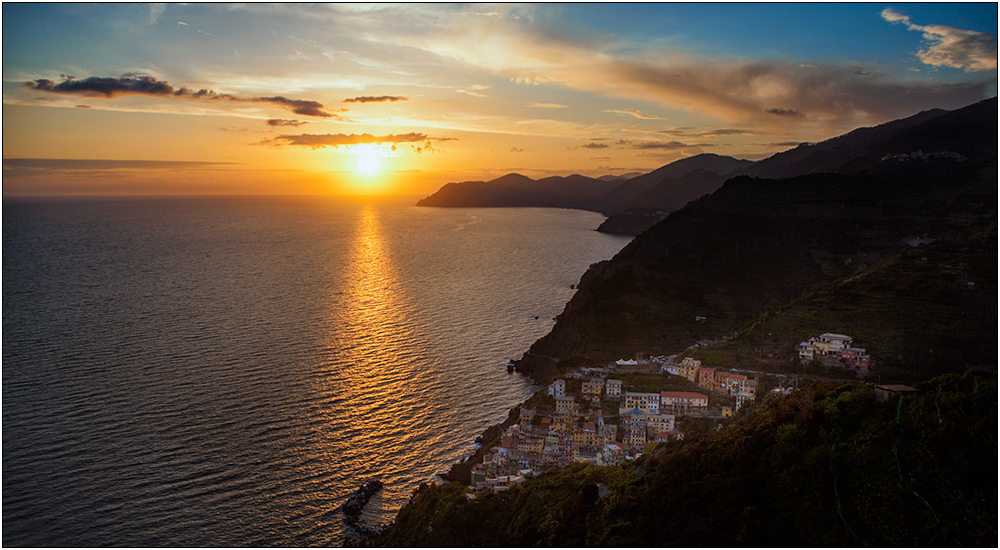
627	195
967	133
754	246
925	311
825	466
652	205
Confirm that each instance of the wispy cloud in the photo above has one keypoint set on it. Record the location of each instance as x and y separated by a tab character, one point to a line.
951	47
829	96
687	132
548	105
19	167
475	90
111	87
668	145
316	141
634	112
376	99
516	150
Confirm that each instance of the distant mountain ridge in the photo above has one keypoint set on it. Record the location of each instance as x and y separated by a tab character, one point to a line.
514	190
932	140
664	190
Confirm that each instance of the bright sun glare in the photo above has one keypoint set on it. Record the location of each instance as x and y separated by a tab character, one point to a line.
368	164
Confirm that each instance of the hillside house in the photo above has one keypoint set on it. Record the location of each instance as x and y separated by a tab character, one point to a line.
658	423
644	402
856	359
890	393
557	388
682	402
689	368
613	389
567	403
830	343
807	351
592	390
743	397
706	378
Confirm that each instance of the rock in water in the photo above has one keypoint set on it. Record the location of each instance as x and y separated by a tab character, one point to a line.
359	498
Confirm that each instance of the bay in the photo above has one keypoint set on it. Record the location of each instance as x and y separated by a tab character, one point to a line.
225	371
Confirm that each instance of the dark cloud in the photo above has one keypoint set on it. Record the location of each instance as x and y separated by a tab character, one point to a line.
130	84
335	140
277	122
83	106
784	112
828	96
516	150
376	99
595	146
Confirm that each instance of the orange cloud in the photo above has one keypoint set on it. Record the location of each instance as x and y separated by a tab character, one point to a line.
316	141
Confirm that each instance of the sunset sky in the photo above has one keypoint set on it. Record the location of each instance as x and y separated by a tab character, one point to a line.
291	99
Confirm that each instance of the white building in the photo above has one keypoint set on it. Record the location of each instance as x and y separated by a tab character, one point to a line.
557	388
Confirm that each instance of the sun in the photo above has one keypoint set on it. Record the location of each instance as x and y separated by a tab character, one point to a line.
368	164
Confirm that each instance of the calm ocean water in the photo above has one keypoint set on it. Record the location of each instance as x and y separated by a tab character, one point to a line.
224	372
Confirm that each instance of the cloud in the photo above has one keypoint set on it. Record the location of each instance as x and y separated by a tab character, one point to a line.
38	166
475	90
595	146
316	141
516	150
278	122
547	105
783	112
951	47
686	132
375	99
130	84
634	112
668	145
156	9
831	96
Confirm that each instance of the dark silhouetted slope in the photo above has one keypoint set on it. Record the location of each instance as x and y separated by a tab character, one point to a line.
969	132
827	466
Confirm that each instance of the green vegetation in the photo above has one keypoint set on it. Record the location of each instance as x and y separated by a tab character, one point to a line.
826	466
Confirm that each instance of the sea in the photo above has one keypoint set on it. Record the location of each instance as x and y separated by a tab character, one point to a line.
226	371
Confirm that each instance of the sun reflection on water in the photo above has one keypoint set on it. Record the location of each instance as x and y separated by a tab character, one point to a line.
376	351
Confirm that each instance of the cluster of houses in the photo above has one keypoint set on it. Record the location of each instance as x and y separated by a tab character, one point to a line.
838	347
739	386
577	427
